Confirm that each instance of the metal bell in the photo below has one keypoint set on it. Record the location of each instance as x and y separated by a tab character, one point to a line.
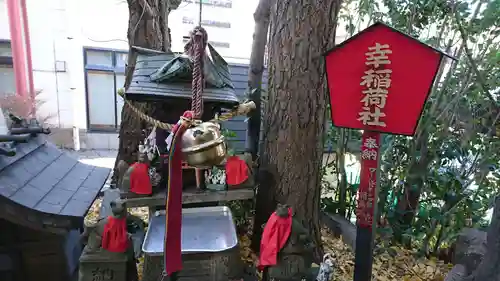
203	145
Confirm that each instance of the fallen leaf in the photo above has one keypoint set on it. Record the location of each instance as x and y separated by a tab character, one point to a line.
394	264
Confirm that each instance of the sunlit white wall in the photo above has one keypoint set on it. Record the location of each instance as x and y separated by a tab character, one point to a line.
60	29
239	35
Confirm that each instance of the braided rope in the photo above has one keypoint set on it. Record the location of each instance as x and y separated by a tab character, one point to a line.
241	109
147	118
196	50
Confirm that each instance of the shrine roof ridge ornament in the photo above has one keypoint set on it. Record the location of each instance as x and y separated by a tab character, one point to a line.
377	24
379	80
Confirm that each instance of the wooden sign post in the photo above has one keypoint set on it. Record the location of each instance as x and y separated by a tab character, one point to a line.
379	81
366	205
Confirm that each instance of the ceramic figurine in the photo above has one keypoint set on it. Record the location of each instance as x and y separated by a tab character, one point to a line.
326	268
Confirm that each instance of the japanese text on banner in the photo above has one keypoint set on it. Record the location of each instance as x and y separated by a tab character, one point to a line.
377	80
368	181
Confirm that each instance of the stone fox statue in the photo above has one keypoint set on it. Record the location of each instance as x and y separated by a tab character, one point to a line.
295	258
108	242
123	171
135	180
93	234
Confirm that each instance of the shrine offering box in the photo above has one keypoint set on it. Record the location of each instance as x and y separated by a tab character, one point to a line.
209	245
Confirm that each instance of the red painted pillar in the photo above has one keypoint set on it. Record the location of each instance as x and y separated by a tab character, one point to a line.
18	55
27	43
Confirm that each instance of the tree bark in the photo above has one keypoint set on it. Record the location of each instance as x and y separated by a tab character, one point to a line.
261	17
342	174
147	28
294	122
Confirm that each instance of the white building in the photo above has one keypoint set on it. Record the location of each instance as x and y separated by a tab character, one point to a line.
79	49
229	24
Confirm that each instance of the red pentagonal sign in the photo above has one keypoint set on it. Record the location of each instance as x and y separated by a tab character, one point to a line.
379	80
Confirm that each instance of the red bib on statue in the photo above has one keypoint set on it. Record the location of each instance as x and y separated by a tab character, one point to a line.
274	237
236	170
140	183
115	237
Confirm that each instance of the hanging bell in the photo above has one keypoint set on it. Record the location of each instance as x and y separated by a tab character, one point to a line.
203	145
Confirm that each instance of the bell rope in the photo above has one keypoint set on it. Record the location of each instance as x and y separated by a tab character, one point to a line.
172	243
195	49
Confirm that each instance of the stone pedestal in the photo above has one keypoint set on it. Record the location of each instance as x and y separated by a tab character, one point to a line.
103	267
199	267
290	268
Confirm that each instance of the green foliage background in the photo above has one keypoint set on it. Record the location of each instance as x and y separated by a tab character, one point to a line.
453	159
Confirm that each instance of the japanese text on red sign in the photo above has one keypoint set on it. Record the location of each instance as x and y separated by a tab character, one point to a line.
368	184
377	81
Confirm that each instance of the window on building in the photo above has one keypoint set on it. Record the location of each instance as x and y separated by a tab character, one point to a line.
187	20
220	24
218	44
7	79
214	3
104	75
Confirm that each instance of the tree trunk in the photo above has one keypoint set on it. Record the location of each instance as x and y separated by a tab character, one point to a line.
341	172
256	69
294	122
261	17
147	28
409	199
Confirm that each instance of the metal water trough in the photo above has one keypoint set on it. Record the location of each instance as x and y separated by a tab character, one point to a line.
209	245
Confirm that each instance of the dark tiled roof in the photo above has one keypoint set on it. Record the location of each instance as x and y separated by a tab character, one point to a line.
143	88
43	180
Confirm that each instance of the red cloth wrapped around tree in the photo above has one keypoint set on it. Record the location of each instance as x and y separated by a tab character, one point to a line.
274	237
140	183
236	170
115	237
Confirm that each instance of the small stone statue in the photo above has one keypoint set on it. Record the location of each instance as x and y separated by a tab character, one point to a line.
108	253
93	234
296	257
239	171
138	179
121	169
123	180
